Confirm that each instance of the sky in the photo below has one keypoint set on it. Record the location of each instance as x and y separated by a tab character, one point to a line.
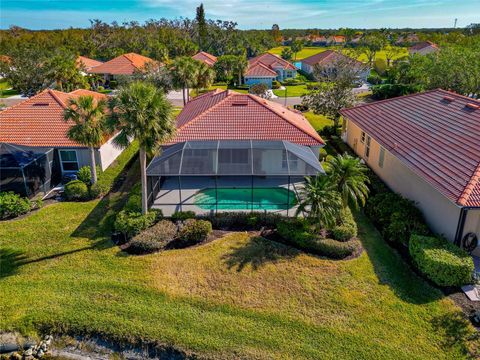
249	14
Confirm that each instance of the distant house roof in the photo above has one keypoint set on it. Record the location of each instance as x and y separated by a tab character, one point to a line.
423	45
260	70
435	133
205	57
87	62
125	64
228	115
38	121
327	57
268	59
338	38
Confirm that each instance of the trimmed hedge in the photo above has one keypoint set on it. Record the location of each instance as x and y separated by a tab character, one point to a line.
337	249
387	91
193	232
76	190
441	261
13	205
243	220
153	239
132	223
347	229
182	215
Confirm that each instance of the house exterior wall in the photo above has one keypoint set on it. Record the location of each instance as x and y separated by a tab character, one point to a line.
440	213
472	225
107	153
259	80
307	68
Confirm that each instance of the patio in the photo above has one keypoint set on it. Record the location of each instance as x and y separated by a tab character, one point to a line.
215	176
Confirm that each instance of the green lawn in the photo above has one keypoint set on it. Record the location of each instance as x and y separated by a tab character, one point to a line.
6	89
236	297
317	121
310	51
292	91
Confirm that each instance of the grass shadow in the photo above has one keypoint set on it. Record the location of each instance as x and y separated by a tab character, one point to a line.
391	269
10	261
257	252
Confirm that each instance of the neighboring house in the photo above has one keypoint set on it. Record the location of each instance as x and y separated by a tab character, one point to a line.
261	69
233	143
319	40
408	39
125	64
423	48
329	58
86	63
205	57
36	126
337	40
426	147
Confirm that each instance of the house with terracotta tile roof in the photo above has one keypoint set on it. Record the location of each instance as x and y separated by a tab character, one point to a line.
329	58
36	126
268	67
205	57
232	144
423	48
126	64
426	147
86	63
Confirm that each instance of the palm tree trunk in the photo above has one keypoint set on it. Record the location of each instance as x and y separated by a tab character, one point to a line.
239	78
183	93
143	173
93	165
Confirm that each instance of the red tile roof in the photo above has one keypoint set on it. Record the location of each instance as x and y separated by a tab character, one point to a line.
268	59
423	45
125	64
258	69
205	57
436	134
338	38
328	57
87	62
228	115
38	121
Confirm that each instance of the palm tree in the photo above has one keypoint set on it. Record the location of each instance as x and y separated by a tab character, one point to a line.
142	112
350	178
241	66
184	72
205	76
90	126
320	200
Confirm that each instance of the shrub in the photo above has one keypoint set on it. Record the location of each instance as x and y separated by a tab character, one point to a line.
336	249
85	175
193	232
76	190
441	261
99	189
374	79
323	154
329	130
134	202
243	220
387	91
276	84
300	107
297	232
347	229
182	215
13	205
132	223
153	239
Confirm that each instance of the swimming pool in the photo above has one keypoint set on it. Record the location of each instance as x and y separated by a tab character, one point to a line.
241	199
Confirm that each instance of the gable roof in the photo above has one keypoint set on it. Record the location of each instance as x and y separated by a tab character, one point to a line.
423	45
87	62
328	56
38	121
259	69
435	133
268	59
205	57
228	115
125	64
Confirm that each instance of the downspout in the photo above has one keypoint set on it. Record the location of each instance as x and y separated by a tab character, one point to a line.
460	226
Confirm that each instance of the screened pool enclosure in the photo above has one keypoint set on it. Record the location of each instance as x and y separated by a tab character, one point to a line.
25	171
230	175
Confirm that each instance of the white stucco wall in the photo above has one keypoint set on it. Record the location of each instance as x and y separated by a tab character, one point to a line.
472	224
107	153
440	213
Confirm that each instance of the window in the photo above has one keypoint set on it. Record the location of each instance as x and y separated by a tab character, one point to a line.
381	157
362	139
367	146
68	159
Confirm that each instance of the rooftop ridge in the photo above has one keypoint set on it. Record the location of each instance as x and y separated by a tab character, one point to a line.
474	181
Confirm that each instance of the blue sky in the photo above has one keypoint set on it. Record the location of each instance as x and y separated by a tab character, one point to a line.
51	14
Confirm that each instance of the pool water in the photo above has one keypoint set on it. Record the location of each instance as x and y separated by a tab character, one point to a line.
241	199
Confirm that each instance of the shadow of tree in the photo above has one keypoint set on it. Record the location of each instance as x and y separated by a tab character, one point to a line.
257	252
457	333
391	269
10	261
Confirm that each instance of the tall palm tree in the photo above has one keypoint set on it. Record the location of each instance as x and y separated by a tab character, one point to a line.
320	200
142	112
205	76
184	72
90	125
350	178
241	66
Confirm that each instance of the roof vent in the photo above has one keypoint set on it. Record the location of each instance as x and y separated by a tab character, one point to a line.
41	104
472	106
448	98
239	103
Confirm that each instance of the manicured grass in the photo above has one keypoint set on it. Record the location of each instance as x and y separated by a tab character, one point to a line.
236	297
292	91
310	51
6	89
317	121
